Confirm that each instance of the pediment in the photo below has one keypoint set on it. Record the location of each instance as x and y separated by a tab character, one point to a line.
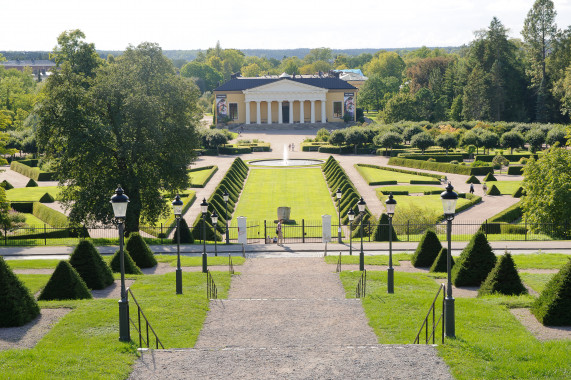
285	86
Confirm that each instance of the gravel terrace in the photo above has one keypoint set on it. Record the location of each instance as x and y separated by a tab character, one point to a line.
289	318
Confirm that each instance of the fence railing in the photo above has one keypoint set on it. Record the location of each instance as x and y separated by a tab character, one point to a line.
435	323
148	326
361	291
230	264
211	289
338	269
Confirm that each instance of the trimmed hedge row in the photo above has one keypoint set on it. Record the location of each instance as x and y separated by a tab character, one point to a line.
440	166
200	185
515	170
170	223
510	157
510	214
346	149
401	170
30	172
435	157
500	223
49	216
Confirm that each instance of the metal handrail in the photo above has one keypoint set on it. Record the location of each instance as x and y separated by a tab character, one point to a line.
361	290
230	264
211	289
434	324
147	325
338	264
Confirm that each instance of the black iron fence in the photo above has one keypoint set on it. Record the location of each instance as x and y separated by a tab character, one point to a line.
435	323
211	289
138	327
361	290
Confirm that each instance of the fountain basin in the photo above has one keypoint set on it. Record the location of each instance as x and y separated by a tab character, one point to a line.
289	162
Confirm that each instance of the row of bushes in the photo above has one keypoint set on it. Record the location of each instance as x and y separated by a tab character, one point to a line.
30	172
435	157
397	170
500	223
214	169
440	166
509	157
170	223
515	170
231	149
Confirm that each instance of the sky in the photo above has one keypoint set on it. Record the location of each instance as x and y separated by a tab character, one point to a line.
261	24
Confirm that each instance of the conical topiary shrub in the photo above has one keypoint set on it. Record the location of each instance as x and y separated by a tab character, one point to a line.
553	307
197	231
473	179
6	185
440	264
140	251
489	177
381	232
87	261
475	262
47	198
32	183
503	279
18	305
65	284
494	191
185	235
518	193
427	250
130	266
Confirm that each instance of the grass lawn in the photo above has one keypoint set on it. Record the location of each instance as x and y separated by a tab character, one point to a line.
196	261
33	264
372	175
433	202
199	177
369	260
490	343
540	260
31	220
31	194
505	187
34	282
537	281
304	190
411	189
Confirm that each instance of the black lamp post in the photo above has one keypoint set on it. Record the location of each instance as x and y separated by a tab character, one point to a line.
449	198
361	204
226	196
339	194
204	210
214	218
177	211
391	204
351	215
119	202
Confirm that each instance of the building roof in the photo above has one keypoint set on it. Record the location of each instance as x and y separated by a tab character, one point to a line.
241	84
352	76
354	71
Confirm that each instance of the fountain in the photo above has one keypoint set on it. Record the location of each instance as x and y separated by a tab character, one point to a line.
286	161
286	153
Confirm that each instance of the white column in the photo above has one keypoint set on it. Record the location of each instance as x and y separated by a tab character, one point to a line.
258	113
291	112
247	112
323	117
280	113
301	112
313	111
269	112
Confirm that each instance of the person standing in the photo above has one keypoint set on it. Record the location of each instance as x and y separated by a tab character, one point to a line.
472	188
279	231
485	188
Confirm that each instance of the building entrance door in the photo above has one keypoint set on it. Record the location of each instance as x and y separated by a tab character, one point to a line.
285	113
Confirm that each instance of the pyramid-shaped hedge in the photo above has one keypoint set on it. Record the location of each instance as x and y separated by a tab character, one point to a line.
503	279
6	185
489	177
473	179
494	191
427	250
185	235
211	234
47	198
32	183
440	264
87	261
381	232
475	262
518	193
18	305
553	307
130	266
65	284
140	251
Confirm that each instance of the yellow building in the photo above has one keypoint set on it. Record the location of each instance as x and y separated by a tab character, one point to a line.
285	100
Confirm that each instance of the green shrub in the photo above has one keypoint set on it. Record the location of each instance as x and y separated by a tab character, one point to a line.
33	173
474	263
65	284
518	193
509	215
489	177
473	179
49	216
440	166
87	261
185	235
24	207
503	279
381	231
515	170
424	182
553	307
47	198
494	191
427	250
32	183
197	231
6	185
18	305
140	251
130	266
440	264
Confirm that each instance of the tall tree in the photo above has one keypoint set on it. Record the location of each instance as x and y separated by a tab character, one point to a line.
476	105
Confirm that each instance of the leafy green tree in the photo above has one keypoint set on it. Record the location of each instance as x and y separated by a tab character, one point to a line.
547	204
402	106
374	91
205	77
471	138
388	140
535	138
422	141
488	140
132	124
386	64
409	132
447	141
337	137
319	54
251	70
500	161
512	140
556	135
475	103
355	137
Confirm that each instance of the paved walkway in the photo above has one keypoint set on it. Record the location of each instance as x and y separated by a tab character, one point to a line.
289	318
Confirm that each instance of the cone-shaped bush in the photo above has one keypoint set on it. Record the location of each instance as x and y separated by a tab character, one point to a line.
475	262
87	261
197	231
494	191
140	251
32	183
553	307
381	232
503	279
518	193
440	264
185	235
489	177
65	284
47	198
130	266
473	179
6	185
18	305
427	250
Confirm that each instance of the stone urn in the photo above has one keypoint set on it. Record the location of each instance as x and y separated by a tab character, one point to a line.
284	213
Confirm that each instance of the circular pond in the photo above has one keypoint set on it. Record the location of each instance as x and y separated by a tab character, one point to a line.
288	162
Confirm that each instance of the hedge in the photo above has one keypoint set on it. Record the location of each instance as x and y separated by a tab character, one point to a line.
553	307
18	304
427	250
473	179
87	261
503	279
515	170
130	266
6	185
65	284
440	264
25	207
435	157
397	170
440	167
215	169
494	191
490	177
140	251
32	183
424	182
47	198
509	157
49	216
475	262
33	173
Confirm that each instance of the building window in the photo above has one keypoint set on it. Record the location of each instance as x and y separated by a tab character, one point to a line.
337	110
234	111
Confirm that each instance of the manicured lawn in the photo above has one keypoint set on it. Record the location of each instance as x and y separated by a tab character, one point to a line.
196	261
372	175
199	177
412	189
505	187
34	282
490	343
33	264
540	260
31	220
433	202
31	194
304	190
369	260
537	281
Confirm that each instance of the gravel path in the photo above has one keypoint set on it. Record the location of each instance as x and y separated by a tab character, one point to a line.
28	335
537	329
